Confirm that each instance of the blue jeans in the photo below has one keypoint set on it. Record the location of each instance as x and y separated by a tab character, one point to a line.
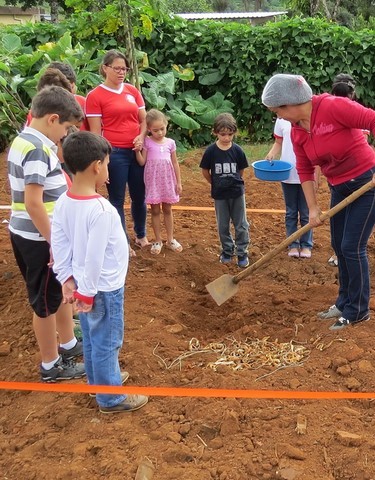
103	332
232	209
124	169
350	231
296	209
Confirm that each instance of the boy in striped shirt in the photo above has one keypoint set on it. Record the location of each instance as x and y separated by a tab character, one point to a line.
36	182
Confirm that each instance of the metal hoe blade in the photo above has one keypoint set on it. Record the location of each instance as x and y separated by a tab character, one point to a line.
222	288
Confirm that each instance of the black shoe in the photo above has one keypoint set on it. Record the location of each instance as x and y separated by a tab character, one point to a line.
62	370
344	322
76	351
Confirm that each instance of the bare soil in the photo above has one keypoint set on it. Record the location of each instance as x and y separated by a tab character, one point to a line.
63	436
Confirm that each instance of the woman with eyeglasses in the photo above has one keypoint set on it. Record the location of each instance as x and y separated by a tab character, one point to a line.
116	110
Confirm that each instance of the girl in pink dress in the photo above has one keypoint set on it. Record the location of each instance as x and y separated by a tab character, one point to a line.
162	178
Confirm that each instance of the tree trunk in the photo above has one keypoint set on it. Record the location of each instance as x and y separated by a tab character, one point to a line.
129	42
54	4
336	9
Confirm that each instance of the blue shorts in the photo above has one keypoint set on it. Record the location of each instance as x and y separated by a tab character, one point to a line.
43	289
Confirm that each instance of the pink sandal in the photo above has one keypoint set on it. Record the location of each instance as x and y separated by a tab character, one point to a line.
175	246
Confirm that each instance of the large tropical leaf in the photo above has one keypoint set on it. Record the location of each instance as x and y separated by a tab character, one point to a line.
11	43
211	78
182	120
153	98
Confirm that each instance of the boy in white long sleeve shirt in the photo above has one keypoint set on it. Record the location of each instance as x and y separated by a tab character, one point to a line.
91	254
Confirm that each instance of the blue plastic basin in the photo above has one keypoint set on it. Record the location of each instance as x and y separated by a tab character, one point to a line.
272	171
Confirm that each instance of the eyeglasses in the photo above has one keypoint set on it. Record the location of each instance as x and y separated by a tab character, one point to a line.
118	69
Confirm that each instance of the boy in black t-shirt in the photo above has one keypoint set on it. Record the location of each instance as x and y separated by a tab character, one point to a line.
222	165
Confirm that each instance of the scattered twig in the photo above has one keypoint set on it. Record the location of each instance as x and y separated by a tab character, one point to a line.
201	439
32	411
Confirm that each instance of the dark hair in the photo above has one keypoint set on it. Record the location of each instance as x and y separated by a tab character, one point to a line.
53	76
81	149
66	69
56	100
109	57
225	121
344	86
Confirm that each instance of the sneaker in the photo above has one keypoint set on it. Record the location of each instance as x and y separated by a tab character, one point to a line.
344	322
63	370
76	351
131	403
225	259
124	377
243	261
332	312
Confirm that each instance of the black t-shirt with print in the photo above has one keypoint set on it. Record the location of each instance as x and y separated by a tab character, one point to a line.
224	166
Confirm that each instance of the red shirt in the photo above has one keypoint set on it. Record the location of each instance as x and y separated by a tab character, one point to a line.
335	142
82	101
119	112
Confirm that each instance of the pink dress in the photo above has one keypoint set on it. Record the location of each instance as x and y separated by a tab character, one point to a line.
159	176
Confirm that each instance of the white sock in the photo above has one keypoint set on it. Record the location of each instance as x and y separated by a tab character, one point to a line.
69	345
49	365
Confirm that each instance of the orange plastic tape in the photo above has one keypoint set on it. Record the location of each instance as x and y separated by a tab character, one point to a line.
212	209
185	392
193	209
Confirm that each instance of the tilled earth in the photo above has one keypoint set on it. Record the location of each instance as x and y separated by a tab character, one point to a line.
272	319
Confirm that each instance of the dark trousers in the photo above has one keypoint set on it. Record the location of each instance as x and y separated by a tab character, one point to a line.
124	170
350	231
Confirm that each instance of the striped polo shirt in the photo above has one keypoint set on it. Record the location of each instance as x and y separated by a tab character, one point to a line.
32	159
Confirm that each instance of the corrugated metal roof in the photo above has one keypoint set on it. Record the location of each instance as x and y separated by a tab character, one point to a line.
228	15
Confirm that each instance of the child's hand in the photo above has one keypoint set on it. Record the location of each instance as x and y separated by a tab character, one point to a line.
83	307
179	189
138	143
68	290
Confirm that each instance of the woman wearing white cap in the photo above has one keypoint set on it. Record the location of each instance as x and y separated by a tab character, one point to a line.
326	132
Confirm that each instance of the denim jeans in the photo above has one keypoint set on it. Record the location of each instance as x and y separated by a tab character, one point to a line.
124	169
296	209
232	209
103	332
350	231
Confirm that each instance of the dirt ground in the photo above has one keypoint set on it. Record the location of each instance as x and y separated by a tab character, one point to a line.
272	318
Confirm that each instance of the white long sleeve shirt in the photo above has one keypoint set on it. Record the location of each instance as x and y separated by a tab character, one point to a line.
89	243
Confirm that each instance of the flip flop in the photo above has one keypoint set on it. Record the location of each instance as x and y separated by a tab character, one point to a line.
305	253
333	261
141	242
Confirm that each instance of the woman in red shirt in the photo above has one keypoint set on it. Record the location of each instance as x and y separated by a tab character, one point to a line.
116	110
326	132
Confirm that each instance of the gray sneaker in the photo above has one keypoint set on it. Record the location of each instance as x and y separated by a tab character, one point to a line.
62	370
332	312
131	403
76	351
124	377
